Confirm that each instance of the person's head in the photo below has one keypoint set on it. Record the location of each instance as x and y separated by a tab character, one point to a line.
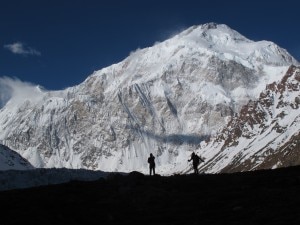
151	154
193	153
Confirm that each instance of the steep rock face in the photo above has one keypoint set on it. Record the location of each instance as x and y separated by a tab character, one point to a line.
10	160
165	99
265	134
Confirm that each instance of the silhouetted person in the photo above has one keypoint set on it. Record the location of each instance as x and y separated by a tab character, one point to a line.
196	161
151	164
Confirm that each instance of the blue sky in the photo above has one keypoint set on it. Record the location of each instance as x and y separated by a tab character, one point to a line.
57	44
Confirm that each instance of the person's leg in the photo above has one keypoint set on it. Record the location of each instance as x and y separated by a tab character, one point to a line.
153	170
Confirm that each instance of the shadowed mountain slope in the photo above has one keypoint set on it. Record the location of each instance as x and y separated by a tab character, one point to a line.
11	160
260	197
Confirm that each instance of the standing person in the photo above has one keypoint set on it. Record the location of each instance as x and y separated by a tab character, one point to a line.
196	160
151	164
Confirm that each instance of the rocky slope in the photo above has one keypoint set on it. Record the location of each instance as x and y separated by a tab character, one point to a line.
265	134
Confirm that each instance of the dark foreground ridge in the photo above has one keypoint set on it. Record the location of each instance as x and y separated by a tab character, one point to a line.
261	197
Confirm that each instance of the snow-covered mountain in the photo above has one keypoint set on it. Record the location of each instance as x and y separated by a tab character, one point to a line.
10	160
265	134
164	99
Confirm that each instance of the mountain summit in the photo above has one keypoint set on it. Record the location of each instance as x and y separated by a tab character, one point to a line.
164	100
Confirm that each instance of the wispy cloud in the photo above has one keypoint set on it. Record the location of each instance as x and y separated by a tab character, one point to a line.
170	33
21	49
18	91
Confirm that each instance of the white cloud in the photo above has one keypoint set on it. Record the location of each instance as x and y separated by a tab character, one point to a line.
21	49
17	91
